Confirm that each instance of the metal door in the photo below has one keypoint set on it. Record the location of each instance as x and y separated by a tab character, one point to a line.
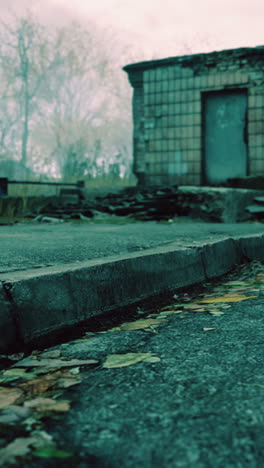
225	133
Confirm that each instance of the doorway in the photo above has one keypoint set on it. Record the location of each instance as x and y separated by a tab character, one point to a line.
224	135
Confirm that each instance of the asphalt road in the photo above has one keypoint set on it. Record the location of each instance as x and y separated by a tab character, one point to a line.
26	245
200	406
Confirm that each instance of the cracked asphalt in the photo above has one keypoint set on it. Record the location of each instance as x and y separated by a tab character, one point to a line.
200	406
27	245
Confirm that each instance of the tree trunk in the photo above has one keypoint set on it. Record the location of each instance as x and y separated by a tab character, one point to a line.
25	125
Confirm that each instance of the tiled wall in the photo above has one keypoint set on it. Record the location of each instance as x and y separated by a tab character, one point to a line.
168	119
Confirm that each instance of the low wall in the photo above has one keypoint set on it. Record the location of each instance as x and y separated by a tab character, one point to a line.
11	207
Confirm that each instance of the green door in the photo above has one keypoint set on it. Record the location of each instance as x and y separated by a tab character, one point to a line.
224	138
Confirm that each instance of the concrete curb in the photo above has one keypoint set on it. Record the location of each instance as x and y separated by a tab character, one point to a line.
34	303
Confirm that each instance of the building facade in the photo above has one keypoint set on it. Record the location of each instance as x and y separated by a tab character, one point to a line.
199	119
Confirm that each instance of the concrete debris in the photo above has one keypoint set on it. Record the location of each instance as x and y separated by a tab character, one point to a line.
257	209
157	203
47	219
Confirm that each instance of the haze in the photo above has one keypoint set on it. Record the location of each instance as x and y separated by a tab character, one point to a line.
160	28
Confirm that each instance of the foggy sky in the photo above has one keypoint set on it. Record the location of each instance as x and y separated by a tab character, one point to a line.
161	27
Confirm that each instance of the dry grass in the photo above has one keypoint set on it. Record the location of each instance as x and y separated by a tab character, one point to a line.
106	183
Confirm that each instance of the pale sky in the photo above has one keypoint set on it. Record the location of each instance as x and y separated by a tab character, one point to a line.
161	28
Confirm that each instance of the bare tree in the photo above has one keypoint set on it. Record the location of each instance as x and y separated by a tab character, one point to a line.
65	99
27	59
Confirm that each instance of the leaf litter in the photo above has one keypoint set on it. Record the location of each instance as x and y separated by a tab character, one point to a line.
30	388
28	393
124	360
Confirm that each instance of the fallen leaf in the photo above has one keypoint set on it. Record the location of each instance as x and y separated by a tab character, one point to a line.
75	371
192	305
58	363
123	360
22	446
173	307
138	324
66	382
12	357
236	283
8	396
152	359
13	414
39	385
169	312
226	298
16	372
260	277
54	380
51	453
18	448
216	313
55	353
45	405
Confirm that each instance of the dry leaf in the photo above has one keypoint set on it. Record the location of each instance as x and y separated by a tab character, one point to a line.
15	372
260	277
8	396
66	382
236	283
170	312
39	385
138	324
192	305
13	414
45	405
216	313
227	298
152	359
53	380
57	363
123	360
22	446
14	357
55	353
18	448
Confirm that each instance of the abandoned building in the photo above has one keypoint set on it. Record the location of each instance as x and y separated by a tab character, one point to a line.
199	119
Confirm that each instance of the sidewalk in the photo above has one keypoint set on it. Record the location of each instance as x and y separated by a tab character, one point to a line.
57	276
180	388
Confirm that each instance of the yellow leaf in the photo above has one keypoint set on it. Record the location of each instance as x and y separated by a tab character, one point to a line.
192	305
123	360
260	277
169	312
138	324
8	396
198	310
236	283
57	363
227	298
216	313
44	405
152	359
16	372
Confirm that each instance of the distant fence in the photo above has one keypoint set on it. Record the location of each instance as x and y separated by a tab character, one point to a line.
4	182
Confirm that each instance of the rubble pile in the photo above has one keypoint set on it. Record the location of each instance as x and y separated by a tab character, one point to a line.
256	210
140	203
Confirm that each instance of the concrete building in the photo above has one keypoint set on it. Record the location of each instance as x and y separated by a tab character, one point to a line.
199	119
